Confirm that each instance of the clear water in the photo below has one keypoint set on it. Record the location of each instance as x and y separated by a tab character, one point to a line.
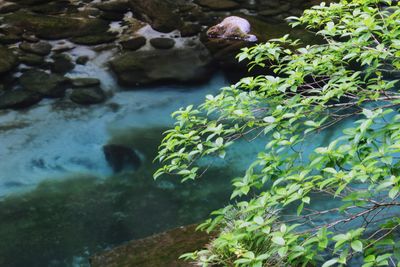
60	201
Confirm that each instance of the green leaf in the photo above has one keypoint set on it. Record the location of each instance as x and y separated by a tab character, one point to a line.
330	262
278	240
357	245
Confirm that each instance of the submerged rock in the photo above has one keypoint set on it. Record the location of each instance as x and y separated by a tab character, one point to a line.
88	96
18	99
120	157
191	64
232	28
47	85
155	251
162	43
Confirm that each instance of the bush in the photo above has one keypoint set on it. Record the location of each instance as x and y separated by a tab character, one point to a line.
315	87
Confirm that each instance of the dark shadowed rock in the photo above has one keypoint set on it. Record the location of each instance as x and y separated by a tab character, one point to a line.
120	157
47	85
219	4
82	60
85	82
7	60
121	6
41	48
7	7
18	99
95	39
162	43
62	63
88	96
133	43
161	250
191	64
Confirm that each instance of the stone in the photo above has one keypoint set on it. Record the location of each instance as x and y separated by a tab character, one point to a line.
120	6
219	4
55	27
31	59
133	43
7	39
41	48
160	14
158	250
95	39
62	47
47	85
7	60
30	38
62	63
84	82
162	43
18	99
121	157
144	67
232	27
190	29
82	60
88	96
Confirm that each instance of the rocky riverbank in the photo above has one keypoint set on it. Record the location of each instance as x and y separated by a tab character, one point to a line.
38	37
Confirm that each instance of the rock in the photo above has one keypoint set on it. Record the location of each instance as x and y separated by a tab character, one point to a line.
30	38
7	60
112	16
62	47
88	96
120	6
62	63
85	82
191	64
96	39
18	99
53	8
7	39
41	48
232	28
55	27
7	7
120	157
134	43
31	59
47	85
82	60
162	43
219	4
161	250
160	14
190	29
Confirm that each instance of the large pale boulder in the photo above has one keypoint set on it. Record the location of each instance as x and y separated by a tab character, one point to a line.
232	27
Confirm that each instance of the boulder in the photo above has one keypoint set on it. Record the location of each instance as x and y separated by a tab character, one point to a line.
160	14
47	85
62	63
55	27
41	48
232	27
190	64
133	43
120	6
88	96
18	99
7	60
162	43
95	39
121	157
85	82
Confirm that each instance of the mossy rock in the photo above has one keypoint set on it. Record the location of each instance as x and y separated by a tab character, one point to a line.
88	96
62	63
161	250
85	82
7	60
56	27
47	85
219	4
162	43
96	39
18	99
31	59
41	48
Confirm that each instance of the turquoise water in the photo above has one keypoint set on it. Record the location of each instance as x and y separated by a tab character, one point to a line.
60	201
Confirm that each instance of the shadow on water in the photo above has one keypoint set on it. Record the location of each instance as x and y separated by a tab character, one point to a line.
61	223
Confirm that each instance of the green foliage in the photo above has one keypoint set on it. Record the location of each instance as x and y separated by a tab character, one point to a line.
315	87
